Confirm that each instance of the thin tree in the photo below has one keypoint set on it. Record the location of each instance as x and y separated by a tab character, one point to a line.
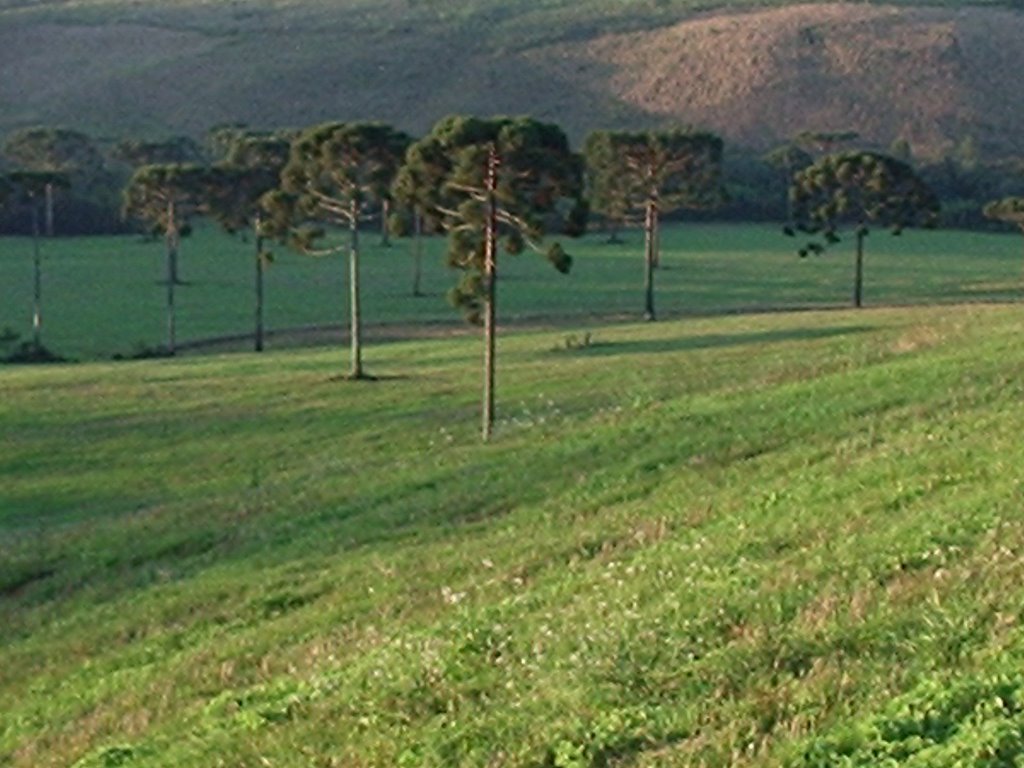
233	193
655	173
605	193
336	176
858	189
414	196
1009	210
31	189
407	220
490	180
166	197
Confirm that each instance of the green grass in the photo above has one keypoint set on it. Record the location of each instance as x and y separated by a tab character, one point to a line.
784	539
103	296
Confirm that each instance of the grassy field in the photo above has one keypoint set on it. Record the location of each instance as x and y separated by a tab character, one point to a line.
103	296
782	539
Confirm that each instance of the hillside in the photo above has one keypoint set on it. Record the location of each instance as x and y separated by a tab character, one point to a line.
933	76
787	540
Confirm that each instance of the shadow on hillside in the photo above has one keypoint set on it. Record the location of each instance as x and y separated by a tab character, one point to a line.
709	341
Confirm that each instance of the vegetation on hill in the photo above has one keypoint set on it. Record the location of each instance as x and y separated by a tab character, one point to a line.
938	78
756	540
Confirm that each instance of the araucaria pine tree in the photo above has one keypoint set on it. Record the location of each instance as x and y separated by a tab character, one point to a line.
491	182
638	177
234	192
858	189
30	189
165	197
336	177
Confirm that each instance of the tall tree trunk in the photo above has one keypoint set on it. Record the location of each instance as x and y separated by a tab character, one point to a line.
355	331
490	292
789	182
37	279
656	238
172	253
385	213
858	272
258	335
417	252
650	229
49	210
172	240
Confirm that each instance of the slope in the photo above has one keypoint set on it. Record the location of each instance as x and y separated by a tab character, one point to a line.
728	542
933	76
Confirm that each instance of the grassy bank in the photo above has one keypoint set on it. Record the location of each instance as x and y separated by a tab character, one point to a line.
752	540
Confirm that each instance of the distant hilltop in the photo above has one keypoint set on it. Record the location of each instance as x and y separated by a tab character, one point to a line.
934	77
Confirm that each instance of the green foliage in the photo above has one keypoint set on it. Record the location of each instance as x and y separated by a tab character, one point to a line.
635	178
53	149
789	158
859	189
446	174
251	169
179	150
336	175
166	196
675	169
603	185
941	722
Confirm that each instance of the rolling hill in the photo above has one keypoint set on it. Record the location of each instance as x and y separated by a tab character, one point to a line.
934	76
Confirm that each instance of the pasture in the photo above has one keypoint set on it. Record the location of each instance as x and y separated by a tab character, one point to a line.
779	539
104	296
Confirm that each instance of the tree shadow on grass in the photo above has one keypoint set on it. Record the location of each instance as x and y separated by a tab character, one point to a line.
368	378
707	341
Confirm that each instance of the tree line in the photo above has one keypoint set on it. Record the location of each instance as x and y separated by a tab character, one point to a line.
491	185
756	181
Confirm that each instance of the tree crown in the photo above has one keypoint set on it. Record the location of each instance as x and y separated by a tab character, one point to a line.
334	173
859	188
672	169
53	149
524	167
165	195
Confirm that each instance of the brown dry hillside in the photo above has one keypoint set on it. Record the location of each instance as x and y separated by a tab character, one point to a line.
930	76
933	76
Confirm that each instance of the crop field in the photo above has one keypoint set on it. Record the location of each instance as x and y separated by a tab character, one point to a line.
105	296
784	539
